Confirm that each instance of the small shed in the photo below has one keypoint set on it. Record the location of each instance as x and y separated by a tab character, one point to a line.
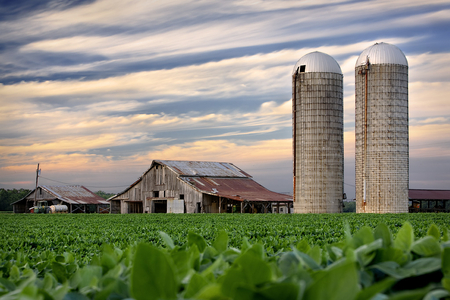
196	187
77	198
429	200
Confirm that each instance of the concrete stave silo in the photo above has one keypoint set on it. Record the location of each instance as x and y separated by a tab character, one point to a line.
381	130
317	100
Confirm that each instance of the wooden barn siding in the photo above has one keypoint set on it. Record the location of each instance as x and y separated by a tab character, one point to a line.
166	184
42	194
25	205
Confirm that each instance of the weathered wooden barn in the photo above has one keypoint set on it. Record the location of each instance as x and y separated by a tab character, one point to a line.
196	187
429	200
77	198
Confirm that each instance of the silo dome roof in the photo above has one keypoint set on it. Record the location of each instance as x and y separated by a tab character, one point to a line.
317	62
382	53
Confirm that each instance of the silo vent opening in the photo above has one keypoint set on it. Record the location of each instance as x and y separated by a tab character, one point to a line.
302	68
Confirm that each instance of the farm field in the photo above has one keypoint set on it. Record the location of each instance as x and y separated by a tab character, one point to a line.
92	256
84	234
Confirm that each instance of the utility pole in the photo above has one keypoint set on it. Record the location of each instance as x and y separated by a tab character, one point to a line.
37	182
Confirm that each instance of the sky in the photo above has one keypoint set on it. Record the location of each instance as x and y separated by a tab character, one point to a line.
94	90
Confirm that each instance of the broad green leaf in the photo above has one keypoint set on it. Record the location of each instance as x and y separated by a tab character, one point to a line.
281	291
423	266
245	244
167	240
211	292
48	282
88	276
445	234
214	268
434	232
405	237
288	263
391	254
196	239
108	261
409	295
60	291
303	246
307	260
221	241
9	285
256	270
427	246
231	280
246	293
14	273
417	267
59	271
184	263
437	294
377	288
382	232
446	283
257	250
60	259
366	253
338	283
316	254
152	276
196	283
348	234
446	262
75	296
363	237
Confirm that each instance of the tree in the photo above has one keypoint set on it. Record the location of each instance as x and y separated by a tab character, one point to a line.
104	195
9	196
349	206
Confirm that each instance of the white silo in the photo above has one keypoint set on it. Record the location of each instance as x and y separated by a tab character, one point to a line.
317	105
381	130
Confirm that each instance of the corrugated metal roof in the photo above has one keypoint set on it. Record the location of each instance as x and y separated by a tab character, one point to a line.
416	194
74	194
382	53
239	189
203	168
318	62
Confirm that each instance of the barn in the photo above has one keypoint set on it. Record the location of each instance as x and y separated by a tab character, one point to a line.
421	200
170	186
77	198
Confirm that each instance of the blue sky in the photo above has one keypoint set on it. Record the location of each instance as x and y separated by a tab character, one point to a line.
95	90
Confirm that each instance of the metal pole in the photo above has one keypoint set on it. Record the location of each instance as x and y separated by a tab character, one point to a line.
37	182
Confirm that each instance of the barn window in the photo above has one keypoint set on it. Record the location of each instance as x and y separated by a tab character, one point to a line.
155	194
302	68
181	196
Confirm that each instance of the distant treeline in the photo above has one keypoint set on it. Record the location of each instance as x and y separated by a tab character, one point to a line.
9	196
350	206
104	195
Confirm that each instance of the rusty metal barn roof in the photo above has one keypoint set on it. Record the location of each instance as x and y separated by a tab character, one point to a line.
416	194
203	168
239	189
74	194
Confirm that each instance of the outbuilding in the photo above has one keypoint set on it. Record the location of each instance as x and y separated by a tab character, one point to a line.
429	200
170	186
77	198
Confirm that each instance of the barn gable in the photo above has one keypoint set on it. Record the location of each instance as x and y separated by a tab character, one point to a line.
193	187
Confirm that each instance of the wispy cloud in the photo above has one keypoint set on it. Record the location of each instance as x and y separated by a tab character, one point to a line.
110	85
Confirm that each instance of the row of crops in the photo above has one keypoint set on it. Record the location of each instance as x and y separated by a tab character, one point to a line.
224	256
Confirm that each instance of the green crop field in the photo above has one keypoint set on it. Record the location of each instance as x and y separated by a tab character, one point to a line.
226	256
